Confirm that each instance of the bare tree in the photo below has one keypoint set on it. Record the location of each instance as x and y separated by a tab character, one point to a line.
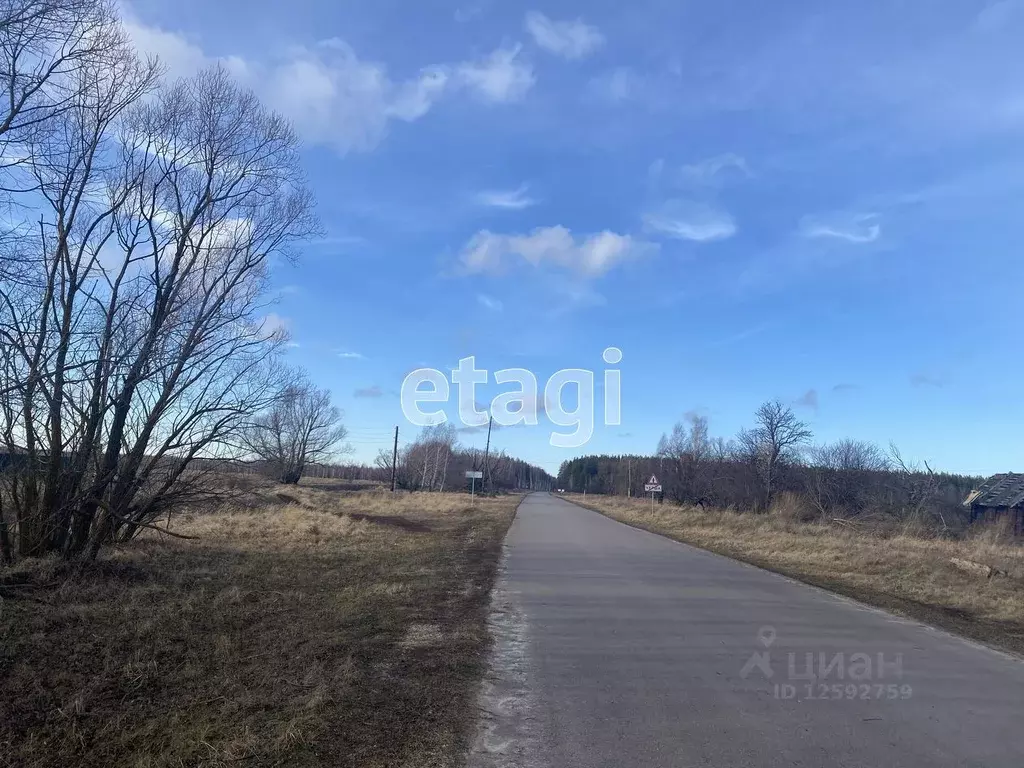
383	462
49	49
775	441
691	451
131	316
299	429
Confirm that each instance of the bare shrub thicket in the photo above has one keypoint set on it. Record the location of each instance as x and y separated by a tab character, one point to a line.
142	218
774	466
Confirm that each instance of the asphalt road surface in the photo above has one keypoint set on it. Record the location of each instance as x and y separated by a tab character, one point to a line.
618	648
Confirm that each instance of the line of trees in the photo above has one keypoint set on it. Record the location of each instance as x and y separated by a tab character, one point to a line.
436	462
776	463
140	218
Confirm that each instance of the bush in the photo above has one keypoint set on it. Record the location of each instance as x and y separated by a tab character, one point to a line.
793	507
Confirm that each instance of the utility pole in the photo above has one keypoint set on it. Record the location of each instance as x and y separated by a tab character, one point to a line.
487	453
394	461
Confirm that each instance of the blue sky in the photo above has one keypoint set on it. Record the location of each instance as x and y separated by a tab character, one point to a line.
816	202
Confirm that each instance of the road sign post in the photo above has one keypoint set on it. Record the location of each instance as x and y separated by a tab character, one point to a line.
473	477
652	487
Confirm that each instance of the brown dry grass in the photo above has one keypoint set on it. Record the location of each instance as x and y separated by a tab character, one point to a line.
906	574
314	628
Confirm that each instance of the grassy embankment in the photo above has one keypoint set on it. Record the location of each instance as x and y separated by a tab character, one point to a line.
911	575
307	627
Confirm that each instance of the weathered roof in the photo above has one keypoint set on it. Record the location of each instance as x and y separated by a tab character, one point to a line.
1005	490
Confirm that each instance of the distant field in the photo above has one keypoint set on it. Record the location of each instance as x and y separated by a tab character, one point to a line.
906	574
310	626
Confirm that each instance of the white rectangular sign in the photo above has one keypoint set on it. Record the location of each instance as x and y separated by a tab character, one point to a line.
474	475
652	488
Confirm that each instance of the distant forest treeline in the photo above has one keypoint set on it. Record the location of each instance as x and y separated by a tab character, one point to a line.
435	462
775	465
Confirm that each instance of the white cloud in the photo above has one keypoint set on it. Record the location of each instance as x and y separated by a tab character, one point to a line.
275	325
336	99
854	228
570	39
350	355
591	255
687	220
500	77
489	302
333	97
414	98
179	57
511	199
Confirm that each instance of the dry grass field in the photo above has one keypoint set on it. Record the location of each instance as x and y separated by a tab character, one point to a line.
309	626
908	574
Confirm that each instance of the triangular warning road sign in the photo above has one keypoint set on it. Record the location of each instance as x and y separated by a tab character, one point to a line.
653	480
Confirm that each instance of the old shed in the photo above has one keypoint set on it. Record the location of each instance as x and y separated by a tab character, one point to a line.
998	497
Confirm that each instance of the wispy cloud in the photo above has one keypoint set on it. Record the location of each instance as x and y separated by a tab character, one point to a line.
800	258
711	170
469	11
489	302
995	17
853	228
557	246
615	86
179	56
369	392
742	335
334	97
337	241
511	199
502	76
921	379
570	39
345	355
689	220
274	324
573	295
808	399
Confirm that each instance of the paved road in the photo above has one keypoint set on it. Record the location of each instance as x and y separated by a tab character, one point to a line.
619	648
